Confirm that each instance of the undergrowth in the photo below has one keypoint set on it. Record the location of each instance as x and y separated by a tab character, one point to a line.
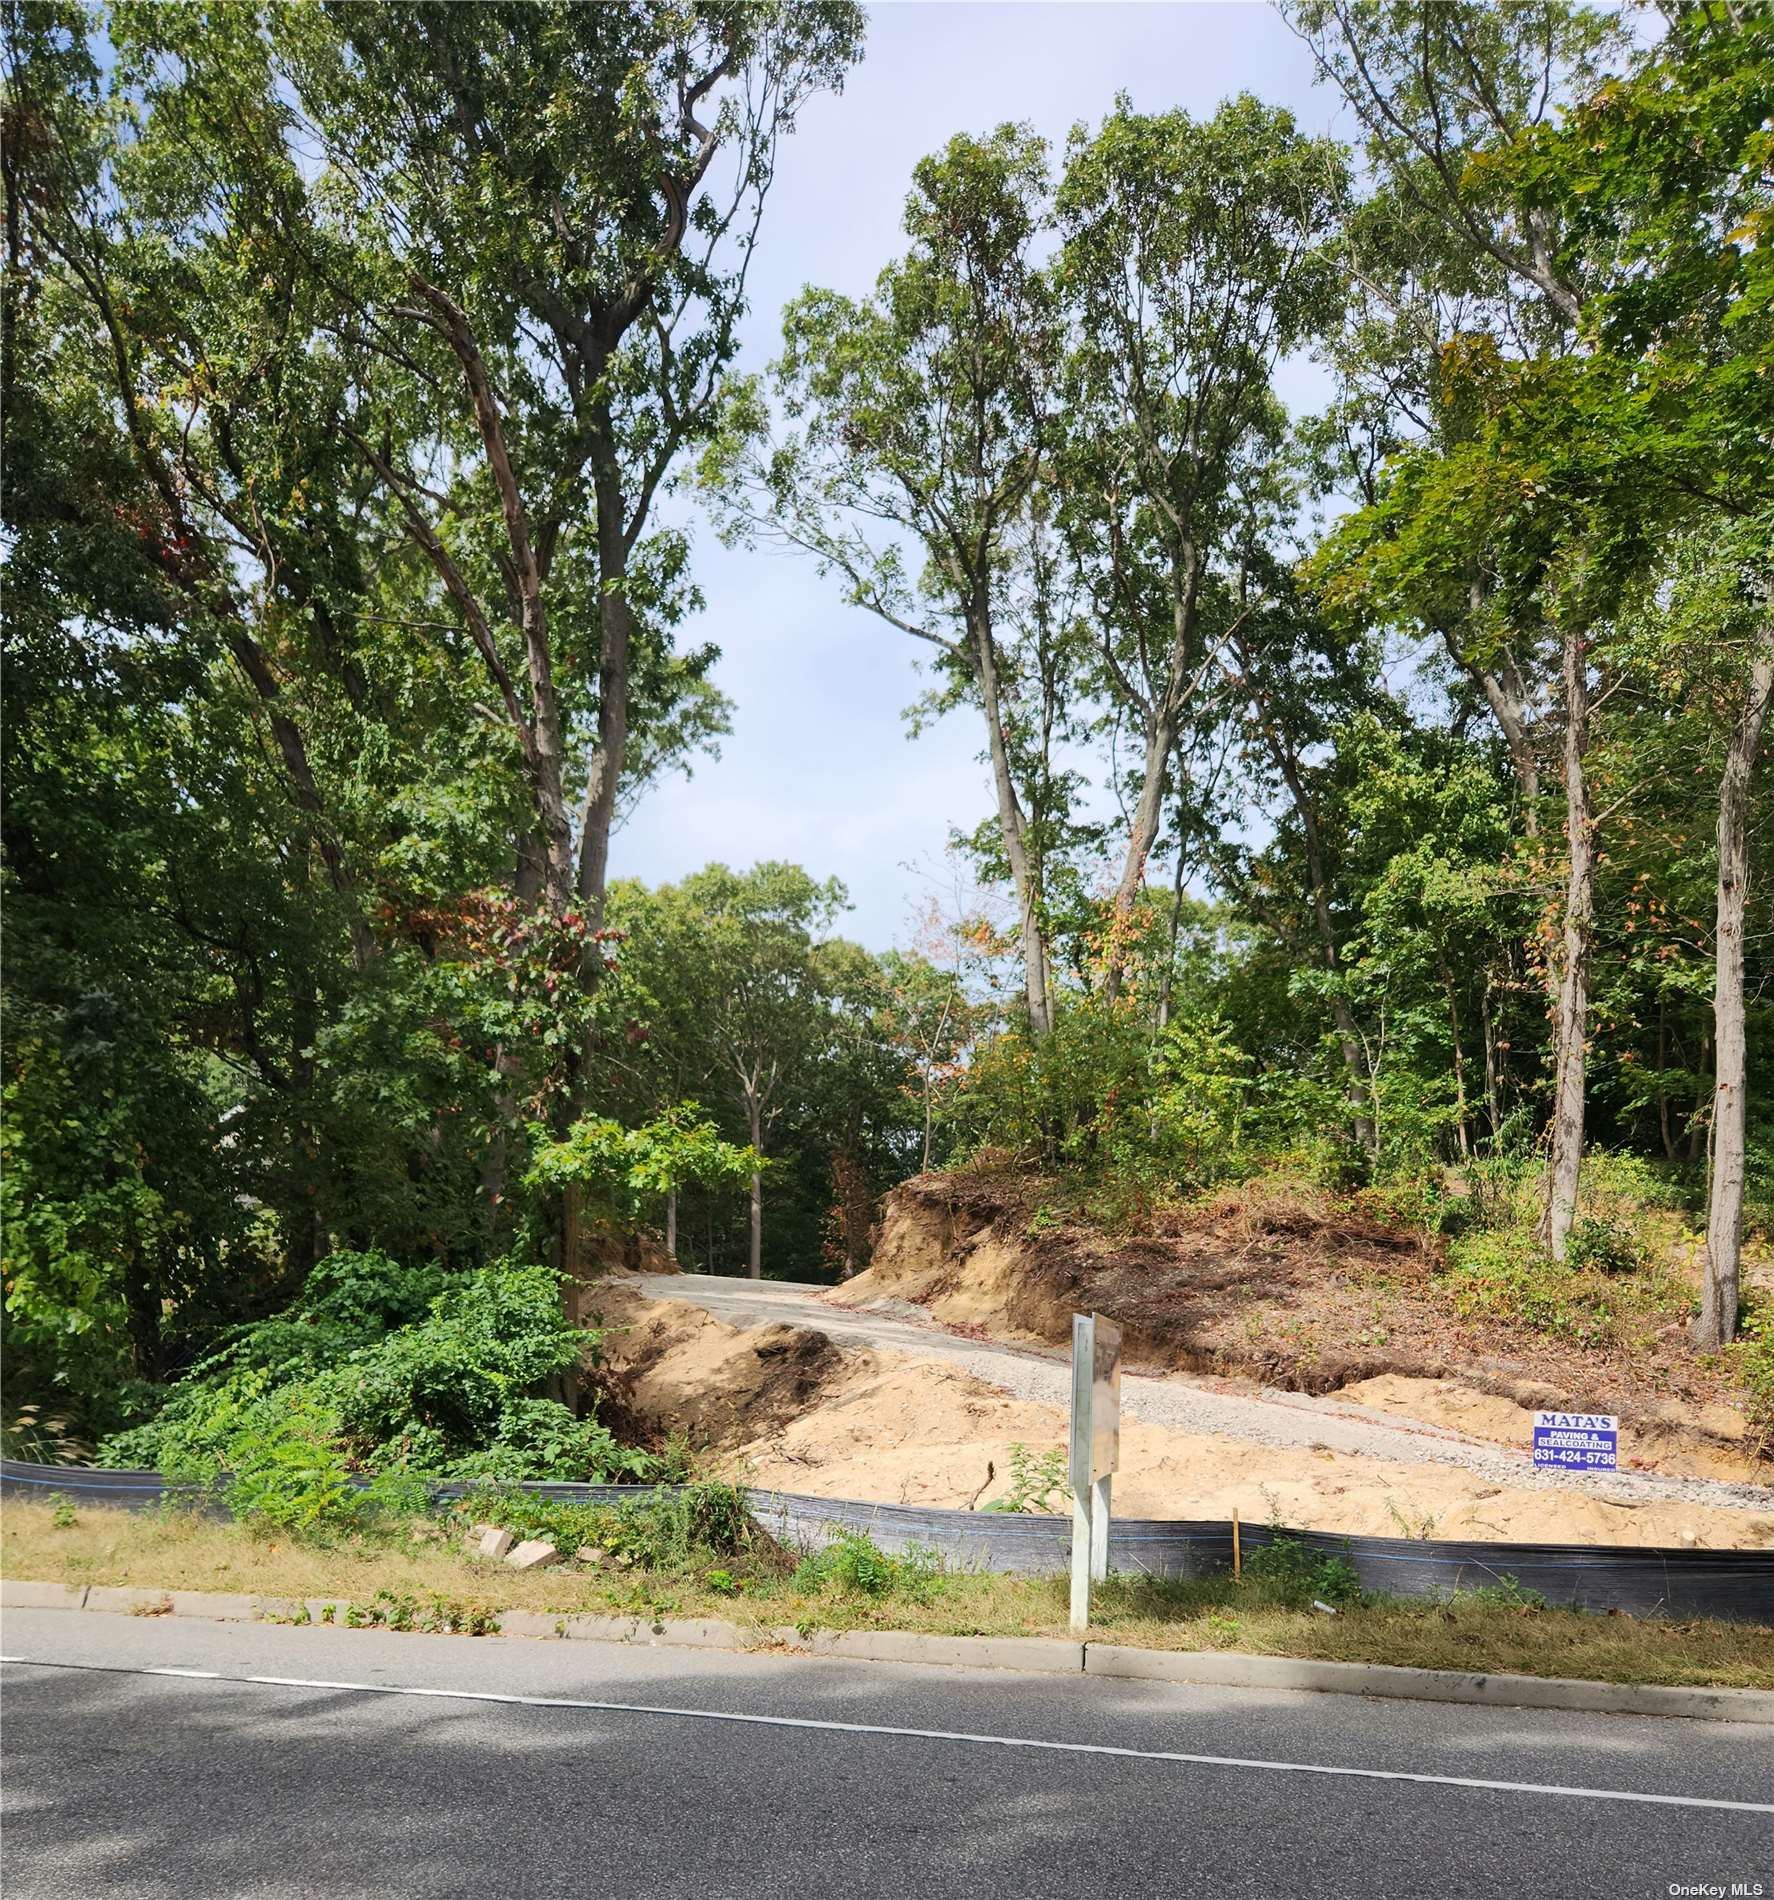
429	1583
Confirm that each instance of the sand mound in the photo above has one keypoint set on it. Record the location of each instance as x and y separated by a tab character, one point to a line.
786	1409
1707	1445
1300	1290
676	1369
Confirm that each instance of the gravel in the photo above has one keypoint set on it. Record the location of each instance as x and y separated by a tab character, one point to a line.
1183	1401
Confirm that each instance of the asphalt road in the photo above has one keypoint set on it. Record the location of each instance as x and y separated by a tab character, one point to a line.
121	1782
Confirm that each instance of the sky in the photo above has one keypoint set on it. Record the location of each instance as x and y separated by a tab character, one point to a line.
819	769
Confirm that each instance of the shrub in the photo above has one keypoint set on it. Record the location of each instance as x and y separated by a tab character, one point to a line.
385	1369
1505	1273
1288	1572
351	1302
1038	1484
680	1528
854	1565
1606	1243
442	1385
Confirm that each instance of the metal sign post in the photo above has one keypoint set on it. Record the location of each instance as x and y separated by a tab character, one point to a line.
1095	1452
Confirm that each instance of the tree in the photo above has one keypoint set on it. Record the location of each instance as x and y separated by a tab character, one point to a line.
1194	256
1296	679
734	952
922	413
1634	216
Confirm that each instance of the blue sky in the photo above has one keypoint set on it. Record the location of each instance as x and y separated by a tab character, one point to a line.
818	768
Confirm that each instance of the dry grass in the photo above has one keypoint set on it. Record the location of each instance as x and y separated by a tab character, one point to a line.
176	1551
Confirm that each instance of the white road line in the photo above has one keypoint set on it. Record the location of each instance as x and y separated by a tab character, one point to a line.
930	1735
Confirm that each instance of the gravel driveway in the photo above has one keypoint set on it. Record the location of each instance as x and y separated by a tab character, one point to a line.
1183	1401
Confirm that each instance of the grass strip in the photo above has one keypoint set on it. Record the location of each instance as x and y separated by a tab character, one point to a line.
426	1578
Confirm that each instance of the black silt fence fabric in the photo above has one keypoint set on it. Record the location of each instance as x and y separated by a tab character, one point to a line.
1737	1585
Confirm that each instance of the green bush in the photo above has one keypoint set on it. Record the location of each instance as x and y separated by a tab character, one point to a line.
680	1528
854	1565
1286	1571
455	1395
1605	1243
383	1369
350	1303
1504	1273
1753	1357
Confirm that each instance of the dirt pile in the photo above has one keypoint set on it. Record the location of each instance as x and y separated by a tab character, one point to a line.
788	1410
672	1368
1297	1288
1713	1445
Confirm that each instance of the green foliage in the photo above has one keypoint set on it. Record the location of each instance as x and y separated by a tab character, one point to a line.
676	1529
628	1171
1753	1354
294	1412
1509	1276
1615	1283
854	1565
1039	1483
1287	1572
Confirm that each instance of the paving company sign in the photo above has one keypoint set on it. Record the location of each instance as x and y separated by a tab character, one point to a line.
1579	1441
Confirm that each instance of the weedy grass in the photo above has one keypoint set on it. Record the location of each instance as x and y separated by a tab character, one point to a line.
422	1577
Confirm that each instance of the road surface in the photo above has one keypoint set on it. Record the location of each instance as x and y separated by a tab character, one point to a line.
407	1767
1226	1408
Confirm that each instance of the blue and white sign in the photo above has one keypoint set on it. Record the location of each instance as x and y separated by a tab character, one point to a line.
1579	1441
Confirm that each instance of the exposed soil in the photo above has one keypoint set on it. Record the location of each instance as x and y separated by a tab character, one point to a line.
785	1406
1295	1288
673	1369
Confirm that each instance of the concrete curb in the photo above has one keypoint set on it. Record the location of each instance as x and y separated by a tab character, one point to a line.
1226	1669
1210	1668
42	1596
1044	1655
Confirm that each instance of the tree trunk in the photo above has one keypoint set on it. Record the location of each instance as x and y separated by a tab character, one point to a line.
1024	867
1164	713
754	1264
1447	977
605	776
1142	835
1724	1215
671	1223
1565	1161
1361	1120
1506	695
1493	1077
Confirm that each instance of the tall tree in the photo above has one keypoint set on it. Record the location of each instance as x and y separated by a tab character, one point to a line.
1635	213
921	412
1194	257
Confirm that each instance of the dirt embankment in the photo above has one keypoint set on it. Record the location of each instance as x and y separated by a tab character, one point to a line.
781	1406
1295	1288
